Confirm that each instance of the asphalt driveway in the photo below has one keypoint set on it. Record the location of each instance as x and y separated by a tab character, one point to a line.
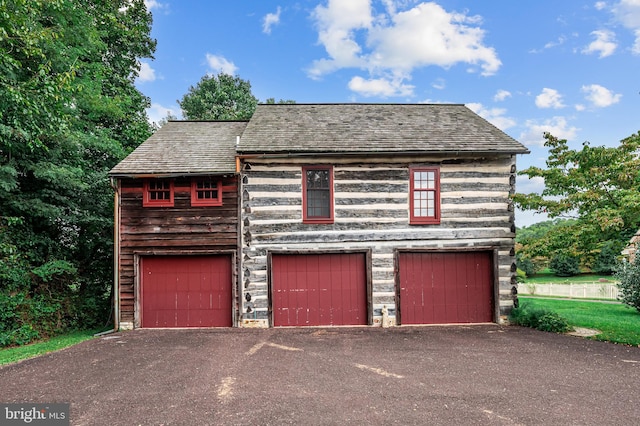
485	374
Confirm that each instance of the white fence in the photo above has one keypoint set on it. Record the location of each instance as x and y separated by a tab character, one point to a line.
593	290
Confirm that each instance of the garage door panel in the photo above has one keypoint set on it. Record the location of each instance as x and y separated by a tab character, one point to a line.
186	291
445	287
319	289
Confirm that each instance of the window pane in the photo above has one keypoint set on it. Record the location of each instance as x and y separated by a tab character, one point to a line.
318	193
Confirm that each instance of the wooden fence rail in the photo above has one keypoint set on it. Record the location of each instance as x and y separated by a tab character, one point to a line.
593	290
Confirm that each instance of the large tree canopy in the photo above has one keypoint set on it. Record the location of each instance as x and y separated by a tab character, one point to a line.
598	186
69	111
221	97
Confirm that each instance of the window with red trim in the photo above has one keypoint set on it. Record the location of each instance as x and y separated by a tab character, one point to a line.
317	194
158	193
424	198
206	192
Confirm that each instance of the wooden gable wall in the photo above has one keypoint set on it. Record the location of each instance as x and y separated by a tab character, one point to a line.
178	230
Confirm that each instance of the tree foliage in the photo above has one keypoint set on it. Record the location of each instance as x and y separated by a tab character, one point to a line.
597	186
69	111
629	283
221	97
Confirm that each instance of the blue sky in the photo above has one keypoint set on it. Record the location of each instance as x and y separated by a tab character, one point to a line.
569	67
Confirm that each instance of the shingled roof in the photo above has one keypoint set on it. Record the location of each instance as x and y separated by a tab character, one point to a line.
372	128
185	148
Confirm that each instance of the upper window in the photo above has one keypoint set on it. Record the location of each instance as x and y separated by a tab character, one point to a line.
206	192
317	194
424	195
158	193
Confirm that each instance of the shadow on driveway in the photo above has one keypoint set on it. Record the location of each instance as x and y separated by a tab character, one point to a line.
482	374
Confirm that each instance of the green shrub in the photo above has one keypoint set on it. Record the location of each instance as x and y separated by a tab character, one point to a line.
520	275
565	265
629	283
539	318
607	260
526	265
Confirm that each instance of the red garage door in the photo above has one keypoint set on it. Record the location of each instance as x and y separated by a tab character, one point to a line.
319	289
186	291
441	288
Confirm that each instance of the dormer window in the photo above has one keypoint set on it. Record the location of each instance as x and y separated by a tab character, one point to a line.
206	192
158	193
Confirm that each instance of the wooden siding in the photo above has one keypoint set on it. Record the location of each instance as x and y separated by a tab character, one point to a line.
372	212
178	230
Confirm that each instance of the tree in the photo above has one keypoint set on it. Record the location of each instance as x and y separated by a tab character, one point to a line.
597	186
69	111
565	265
629	283
221	97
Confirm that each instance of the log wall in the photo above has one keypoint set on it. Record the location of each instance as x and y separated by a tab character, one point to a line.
372	212
177	230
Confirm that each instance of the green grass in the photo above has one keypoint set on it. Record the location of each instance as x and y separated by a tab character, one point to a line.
618	323
545	277
32	350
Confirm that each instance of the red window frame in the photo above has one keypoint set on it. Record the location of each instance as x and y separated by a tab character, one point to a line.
313	196
206	191
424	195
158	193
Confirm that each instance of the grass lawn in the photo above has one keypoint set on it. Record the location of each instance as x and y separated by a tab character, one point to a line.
618	323
32	350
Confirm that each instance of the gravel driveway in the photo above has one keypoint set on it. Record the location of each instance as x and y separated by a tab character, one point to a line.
486	374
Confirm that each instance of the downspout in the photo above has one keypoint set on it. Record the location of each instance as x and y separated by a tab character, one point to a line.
115	184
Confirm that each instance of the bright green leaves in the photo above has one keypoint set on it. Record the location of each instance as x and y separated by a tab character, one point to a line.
220	97
599	186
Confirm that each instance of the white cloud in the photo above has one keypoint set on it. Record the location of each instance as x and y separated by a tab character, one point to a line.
146	73
157	112
599	96
382	87
495	116
501	95
600	5
628	13
219	64
391	44
529	185
270	20
604	44
557	126
549	98
439	84
636	45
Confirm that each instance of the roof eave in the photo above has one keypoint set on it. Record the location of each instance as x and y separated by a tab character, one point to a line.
160	175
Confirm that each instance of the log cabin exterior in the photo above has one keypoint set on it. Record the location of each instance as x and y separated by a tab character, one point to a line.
375	214
322	215
177	221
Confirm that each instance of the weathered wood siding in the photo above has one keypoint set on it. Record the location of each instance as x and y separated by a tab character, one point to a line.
176	230
372	212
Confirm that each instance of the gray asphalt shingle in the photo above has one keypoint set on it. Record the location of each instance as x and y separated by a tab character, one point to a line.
371	128
185	148
209	147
